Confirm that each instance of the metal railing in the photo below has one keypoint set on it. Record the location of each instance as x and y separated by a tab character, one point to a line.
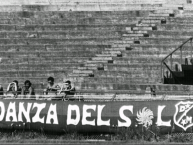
78	96
164	65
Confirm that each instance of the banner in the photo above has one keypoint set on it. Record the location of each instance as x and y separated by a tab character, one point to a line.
80	116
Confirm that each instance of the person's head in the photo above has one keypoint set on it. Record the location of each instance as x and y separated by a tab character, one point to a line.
51	80
13	86
27	83
15	81
67	84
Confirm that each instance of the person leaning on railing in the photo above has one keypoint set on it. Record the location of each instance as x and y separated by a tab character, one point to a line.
28	91
13	90
67	91
51	90
1	92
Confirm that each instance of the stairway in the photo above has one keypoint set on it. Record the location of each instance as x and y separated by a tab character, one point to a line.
184	77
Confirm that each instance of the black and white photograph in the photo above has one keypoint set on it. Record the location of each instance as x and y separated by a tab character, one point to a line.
102	72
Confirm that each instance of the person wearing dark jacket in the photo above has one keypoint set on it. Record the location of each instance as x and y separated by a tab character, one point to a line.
27	90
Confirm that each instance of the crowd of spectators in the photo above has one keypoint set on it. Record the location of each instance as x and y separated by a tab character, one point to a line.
53	91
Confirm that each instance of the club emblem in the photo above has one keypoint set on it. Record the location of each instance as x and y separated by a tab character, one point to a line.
183	114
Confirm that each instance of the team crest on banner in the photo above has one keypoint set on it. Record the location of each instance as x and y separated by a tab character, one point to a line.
183	114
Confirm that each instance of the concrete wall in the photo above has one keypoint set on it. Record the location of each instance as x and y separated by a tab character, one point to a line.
58	2
177	1
90	5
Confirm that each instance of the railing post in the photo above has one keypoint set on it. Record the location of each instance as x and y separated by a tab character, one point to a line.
191	47
171	62
181	55
161	73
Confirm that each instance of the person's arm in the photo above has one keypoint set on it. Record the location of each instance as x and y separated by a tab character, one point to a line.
22	90
72	89
31	92
70	93
1	92
55	87
45	91
19	91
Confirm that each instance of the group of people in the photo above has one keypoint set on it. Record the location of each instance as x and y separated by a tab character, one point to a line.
53	91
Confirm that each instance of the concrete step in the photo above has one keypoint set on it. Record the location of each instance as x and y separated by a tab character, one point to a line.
60	34
163	11
180	20
36	41
43	54
64	47
144	28
82	6
34	73
81	75
44	60
133	35
139	61
52	66
73	14
151	21
154	53
132	72
135	32
114	52
102	58
83	71
183	27
70	27
172	6
159	15
146	61
188	7
119	48
171	34
131	67
78	20
98	61
150	40
106	55
87	68
157	47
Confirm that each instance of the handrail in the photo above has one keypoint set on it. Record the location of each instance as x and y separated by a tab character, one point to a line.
176	49
170	55
170	71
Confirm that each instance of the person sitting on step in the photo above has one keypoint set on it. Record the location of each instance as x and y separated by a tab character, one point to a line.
13	89
27	90
51	88
1	92
68	90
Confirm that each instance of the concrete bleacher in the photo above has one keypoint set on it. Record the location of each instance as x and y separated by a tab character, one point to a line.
101	52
